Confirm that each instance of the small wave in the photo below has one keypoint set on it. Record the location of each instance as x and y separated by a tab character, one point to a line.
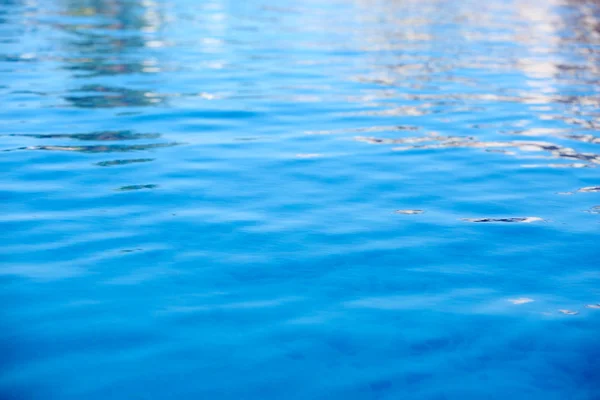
123	162
136	187
524	220
100	148
96	136
589	189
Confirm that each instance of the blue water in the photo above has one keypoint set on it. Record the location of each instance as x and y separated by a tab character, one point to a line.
317	199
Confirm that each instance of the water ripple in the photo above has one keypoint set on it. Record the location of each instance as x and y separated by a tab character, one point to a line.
220	199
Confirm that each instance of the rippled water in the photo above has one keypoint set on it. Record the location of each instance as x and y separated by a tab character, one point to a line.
313	199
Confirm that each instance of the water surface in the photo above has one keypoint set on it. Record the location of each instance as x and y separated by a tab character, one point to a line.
263	199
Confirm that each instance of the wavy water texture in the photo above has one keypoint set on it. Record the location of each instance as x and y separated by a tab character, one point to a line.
319	199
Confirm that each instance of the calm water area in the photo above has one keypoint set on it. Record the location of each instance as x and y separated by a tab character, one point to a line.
317	199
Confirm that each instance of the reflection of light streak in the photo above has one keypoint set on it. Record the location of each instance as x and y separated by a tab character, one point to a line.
445	142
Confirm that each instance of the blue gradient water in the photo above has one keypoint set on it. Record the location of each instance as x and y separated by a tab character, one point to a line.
270	199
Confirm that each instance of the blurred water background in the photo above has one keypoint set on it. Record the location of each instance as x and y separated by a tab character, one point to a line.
318	199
